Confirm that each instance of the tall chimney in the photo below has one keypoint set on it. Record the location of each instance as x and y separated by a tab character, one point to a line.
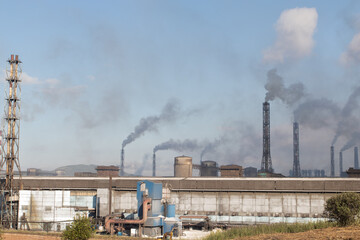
340	163
154	165
266	165
356	158
332	162
296	163
122	163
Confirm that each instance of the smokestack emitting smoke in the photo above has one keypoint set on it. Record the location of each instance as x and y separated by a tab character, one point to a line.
332	162
122	163
266	165
356	158
154	165
168	114
296	161
340	163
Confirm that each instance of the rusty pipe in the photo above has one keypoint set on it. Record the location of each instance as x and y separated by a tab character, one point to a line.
146	208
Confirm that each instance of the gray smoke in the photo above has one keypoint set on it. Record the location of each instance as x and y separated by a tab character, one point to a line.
169	114
355	139
179	146
348	126
145	162
276	89
211	147
317	113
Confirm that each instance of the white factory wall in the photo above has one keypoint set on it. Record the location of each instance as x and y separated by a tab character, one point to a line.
232	207
46	209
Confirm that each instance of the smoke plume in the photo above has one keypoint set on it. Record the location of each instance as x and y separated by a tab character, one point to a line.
168	114
145	162
179	146
276	89
295	29
317	113
210	147
348	125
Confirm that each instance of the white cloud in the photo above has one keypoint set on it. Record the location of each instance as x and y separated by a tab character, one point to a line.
27	79
352	54
295	29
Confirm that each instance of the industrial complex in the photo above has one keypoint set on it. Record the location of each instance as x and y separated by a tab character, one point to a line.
219	196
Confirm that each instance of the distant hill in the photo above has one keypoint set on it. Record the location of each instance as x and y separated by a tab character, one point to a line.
69	170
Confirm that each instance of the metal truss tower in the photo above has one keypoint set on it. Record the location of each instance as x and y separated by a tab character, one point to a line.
266	165
296	163
10	144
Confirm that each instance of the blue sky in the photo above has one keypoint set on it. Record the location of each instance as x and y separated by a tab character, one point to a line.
93	69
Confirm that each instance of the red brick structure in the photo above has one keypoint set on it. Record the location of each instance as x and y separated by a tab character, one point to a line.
231	171
107	171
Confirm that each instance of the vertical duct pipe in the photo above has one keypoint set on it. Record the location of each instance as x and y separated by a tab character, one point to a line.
332	162
154	165
356	158
266	165
296	163
340	163
122	163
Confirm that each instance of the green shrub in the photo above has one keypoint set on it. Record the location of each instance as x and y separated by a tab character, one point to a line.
344	208
80	229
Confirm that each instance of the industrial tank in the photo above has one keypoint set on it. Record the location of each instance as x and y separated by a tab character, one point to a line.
208	169
183	166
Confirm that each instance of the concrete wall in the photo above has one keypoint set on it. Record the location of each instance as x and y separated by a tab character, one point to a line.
233	207
46	209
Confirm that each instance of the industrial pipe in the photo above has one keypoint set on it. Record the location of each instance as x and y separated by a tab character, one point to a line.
146	208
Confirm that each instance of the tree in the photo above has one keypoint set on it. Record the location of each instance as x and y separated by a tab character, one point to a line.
344	208
80	229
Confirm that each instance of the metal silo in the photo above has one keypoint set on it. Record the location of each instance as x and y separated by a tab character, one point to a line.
209	169
183	166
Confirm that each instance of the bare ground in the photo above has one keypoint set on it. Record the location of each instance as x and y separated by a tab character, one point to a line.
352	232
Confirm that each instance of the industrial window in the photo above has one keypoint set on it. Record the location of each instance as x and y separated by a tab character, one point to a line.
25	207
48	208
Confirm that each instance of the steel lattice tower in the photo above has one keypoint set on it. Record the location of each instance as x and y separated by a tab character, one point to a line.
10	145
266	165
296	163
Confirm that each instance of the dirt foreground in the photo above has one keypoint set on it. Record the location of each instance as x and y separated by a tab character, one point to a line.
333	233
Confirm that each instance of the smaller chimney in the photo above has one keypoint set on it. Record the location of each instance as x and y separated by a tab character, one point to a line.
356	158
340	163
154	165
122	163
332	172
12	57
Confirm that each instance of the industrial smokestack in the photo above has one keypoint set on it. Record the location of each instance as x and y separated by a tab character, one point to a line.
356	158
122	163
154	165
296	163
266	165
340	163
332	162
